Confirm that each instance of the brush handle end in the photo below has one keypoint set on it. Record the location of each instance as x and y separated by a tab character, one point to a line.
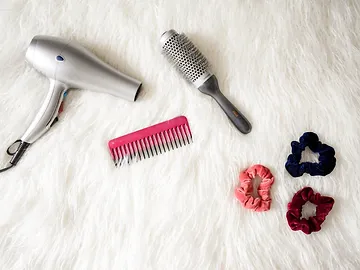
210	87
235	116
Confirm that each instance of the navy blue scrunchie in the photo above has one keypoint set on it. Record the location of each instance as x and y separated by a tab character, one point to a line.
327	160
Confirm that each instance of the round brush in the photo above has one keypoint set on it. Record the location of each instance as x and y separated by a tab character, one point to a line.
194	66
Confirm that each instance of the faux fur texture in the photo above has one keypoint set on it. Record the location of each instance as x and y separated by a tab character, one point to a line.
289	66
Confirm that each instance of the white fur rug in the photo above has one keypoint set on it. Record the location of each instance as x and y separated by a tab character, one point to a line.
289	66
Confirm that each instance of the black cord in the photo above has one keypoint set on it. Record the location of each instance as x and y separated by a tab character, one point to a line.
11	154
16	156
5	169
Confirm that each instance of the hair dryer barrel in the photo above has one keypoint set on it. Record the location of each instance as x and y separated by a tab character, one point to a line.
76	67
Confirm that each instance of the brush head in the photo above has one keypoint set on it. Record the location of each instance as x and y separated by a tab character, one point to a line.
186	57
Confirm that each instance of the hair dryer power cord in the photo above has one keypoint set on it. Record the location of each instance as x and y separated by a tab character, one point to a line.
5	169
17	154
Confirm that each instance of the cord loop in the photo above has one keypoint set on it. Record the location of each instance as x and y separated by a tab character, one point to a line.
17	148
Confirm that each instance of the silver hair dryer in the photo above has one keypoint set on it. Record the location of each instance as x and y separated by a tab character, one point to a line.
67	65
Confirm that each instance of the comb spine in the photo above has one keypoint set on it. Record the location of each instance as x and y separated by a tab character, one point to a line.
184	134
136	154
123	154
141	154
169	139
182	140
151	145
188	133
146	153
132	153
164	143
157	143
176	138
115	157
153	138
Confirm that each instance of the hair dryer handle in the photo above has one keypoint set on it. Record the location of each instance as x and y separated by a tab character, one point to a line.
47	114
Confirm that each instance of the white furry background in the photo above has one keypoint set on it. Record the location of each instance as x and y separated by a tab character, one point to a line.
289	66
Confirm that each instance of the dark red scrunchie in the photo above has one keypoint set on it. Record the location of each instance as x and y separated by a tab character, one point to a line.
313	224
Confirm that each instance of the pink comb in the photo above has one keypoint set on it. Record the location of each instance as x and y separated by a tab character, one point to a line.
151	141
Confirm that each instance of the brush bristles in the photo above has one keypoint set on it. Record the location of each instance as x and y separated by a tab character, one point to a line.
186	57
152	146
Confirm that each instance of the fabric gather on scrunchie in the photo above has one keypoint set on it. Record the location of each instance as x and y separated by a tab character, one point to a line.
323	204
243	192
327	160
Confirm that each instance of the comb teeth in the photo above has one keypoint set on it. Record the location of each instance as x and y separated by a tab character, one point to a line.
186	57
152	141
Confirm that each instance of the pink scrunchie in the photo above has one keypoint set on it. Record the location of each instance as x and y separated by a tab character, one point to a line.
243	192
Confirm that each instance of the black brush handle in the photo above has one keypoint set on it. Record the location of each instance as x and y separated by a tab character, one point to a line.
236	117
211	87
